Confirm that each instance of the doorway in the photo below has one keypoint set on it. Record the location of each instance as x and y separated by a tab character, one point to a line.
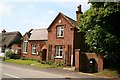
44	52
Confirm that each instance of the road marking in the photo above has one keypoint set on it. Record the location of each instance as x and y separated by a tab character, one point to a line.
13	76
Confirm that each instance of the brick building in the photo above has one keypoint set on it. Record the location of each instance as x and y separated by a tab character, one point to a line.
34	44
64	38
61	43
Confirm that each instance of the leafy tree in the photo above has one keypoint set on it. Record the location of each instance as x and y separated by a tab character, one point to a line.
101	24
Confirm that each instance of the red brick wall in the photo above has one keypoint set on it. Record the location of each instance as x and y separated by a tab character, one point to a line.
82	61
68	36
100	61
77	60
58	60
39	46
98	66
25	37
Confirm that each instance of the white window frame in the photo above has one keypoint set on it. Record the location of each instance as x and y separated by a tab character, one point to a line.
34	51
60	31
58	50
25	46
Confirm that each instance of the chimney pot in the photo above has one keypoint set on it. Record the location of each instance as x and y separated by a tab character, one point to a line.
79	9
77	14
3	31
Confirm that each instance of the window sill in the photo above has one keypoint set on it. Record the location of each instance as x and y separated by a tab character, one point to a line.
34	53
24	52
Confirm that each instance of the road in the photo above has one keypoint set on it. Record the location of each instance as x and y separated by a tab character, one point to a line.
27	72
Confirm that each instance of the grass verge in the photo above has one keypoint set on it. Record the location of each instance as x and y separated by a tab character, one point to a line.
17	61
109	73
33	63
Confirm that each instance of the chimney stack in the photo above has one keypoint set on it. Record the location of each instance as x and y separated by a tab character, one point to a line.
3	31
77	13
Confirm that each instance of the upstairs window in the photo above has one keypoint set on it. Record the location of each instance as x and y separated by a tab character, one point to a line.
59	51
33	49
25	46
60	31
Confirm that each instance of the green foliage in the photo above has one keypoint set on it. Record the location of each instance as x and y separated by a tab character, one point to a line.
10	54
43	62
38	61
109	73
23	58
50	62
59	64
18	61
32	59
47	62
40	53
101	25
6	58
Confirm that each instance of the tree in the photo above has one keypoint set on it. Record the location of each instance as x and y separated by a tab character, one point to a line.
101	24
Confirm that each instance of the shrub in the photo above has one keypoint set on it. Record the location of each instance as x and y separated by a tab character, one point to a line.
6	58
43	62
32	59
38	61
10	54
16	56
50	62
23	58
59	64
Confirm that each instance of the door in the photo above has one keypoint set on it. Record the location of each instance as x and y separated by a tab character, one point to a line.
44	52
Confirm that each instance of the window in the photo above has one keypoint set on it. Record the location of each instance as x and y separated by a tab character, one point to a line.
60	31
33	49
59	51
25	46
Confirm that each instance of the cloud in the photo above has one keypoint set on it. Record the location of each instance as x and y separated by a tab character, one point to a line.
5	10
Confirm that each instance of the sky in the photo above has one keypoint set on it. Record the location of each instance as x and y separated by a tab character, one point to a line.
23	15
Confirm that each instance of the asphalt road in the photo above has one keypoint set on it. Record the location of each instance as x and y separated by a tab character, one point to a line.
12	71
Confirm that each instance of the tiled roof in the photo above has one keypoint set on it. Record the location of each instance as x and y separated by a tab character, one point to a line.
70	20
73	22
39	34
8	38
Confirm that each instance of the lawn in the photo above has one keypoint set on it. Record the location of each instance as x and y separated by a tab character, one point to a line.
109	73
17	61
33	63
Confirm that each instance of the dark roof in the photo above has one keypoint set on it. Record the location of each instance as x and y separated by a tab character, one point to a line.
9	38
27	33
43	34
70	20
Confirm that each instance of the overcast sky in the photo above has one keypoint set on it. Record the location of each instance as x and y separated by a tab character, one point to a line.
25	15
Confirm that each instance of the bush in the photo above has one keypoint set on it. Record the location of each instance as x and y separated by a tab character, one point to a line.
32	59
59	64
43	62
10	54
23	58
16	56
50	62
38	61
6	58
